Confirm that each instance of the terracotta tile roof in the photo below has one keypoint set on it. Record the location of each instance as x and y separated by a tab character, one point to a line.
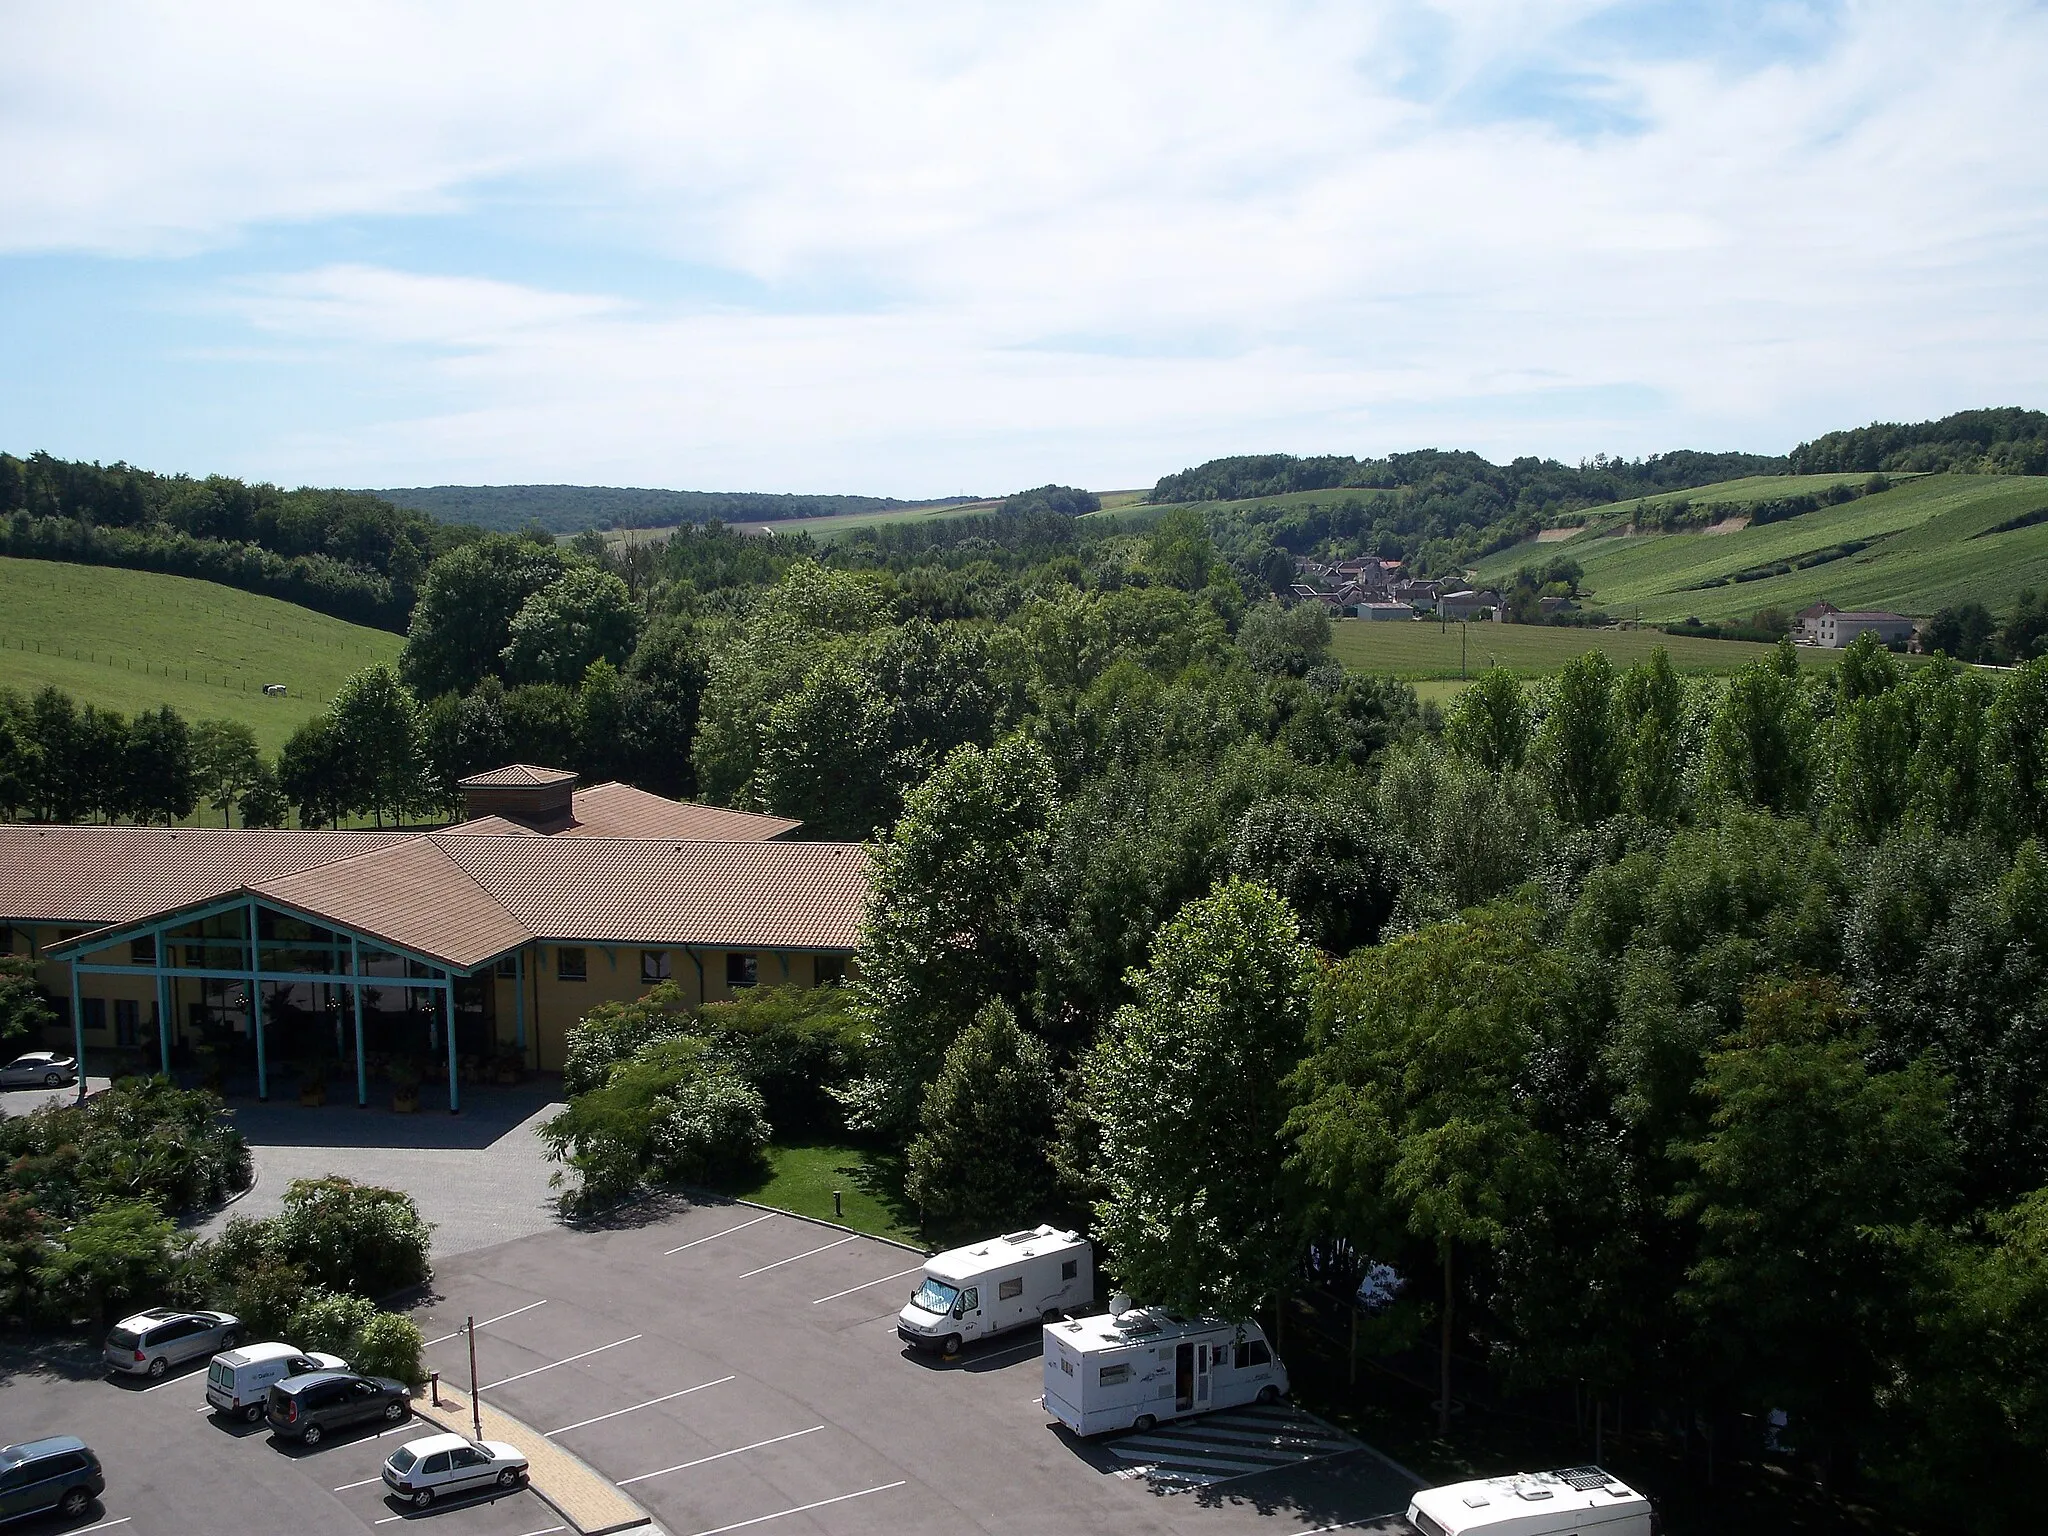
497	826
459	897
99	875
516	775
413	896
763	895
620	810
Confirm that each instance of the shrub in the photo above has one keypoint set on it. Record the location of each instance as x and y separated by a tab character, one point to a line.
141	1140
114	1255
330	1322
712	1126
605	1133
351	1237
612	1032
794	1044
390	1345
266	1297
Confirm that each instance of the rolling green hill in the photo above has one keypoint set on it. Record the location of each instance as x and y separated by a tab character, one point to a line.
1423	651
1920	546
131	640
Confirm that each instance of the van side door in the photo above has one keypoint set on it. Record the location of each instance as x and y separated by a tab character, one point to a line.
968	1310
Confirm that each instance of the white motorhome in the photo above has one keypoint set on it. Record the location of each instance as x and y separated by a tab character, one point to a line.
1579	1501
989	1287
1131	1370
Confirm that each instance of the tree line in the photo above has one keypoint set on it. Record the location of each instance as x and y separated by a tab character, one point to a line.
2003	441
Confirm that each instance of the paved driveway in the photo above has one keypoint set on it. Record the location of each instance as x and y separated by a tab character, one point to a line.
481	1177
734	1368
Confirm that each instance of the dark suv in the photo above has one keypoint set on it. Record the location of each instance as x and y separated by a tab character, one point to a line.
58	1473
305	1408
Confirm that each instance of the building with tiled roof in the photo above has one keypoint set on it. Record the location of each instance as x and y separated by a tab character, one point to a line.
485	940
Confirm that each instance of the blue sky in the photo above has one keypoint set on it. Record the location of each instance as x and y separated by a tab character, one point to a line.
916	250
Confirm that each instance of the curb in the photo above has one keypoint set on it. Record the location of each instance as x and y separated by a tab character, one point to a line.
817	1221
458	1423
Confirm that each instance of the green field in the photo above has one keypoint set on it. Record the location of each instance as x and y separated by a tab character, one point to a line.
131	640
1422	651
1927	543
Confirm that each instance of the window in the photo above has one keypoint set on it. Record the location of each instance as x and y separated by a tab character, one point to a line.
1112	1375
1254	1353
508	967
438	1462
740	970
970	1300
570	965
127	1020
654	965
142	951
829	970
1071	1270
95	1010
1011	1289
467	1457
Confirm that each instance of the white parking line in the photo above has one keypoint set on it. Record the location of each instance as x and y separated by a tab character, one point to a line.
103	1525
684	1466
547	1530
507	1381
740	1525
795	1256
199	1376
344	1488
693	1242
638	1406
870	1285
487	1322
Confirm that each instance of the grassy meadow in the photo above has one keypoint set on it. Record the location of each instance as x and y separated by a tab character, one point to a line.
1924	544
131	640
1423	652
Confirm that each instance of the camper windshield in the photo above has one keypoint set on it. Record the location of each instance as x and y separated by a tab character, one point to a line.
935	1295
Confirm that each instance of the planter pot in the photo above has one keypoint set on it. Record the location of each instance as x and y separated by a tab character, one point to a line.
506	1075
405	1101
313	1095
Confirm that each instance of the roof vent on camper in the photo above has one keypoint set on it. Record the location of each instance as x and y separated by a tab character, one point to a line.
1583	1479
1018	1237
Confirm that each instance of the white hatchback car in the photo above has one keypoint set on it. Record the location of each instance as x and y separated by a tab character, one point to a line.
422	1471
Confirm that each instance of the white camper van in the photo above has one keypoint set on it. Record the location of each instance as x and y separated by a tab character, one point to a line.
1134	1369
1579	1501
1006	1282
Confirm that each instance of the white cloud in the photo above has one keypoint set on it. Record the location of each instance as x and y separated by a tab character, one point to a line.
975	238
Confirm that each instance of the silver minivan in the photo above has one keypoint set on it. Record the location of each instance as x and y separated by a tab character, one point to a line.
238	1381
150	1343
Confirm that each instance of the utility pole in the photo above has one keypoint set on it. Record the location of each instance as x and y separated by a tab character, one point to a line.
1464	633
476	1412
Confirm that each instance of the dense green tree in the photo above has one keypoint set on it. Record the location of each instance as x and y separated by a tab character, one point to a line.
602	752
463	620
1806	1191
585	615
1964	632
1490	722
979	1162
1328	860
1581	754
157	768
1187	1086
824	754
542	725
313	773
946	928
662	685
2016	740
1759	746
23	1013
1285	642
1179	552
225	764
379	740
1650	717
1413	1119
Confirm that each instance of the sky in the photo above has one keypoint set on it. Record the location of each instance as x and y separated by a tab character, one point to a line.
921	249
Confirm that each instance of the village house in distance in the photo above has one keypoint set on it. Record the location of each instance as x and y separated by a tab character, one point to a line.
486	940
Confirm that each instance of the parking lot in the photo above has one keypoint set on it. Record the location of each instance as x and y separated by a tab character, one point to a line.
175	1469
731	1369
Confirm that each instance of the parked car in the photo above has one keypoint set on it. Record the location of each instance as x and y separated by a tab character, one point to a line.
150	1343
39	1069
425	1470
305	1408
238	1381
58	1473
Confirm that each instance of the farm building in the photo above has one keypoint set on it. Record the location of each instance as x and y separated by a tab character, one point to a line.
1468	605
484	940
1837	628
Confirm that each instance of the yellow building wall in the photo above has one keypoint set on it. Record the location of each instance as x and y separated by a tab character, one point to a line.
54	977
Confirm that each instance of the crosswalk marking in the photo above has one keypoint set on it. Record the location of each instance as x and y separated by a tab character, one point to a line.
1217	1447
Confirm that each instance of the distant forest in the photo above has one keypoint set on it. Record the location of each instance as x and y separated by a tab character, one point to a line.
2004	441
573	508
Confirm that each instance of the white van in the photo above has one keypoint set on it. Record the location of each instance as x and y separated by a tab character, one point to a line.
1131	1370
1579	1501
238	1380
1006	1282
